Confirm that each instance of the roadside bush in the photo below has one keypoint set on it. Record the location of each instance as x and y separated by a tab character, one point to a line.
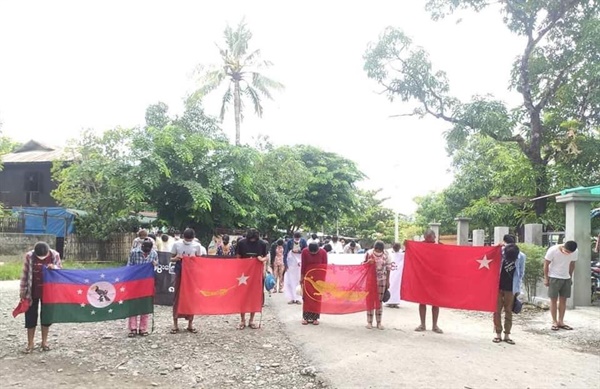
534	268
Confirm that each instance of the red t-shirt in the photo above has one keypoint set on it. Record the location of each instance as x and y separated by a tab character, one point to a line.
320	258
37	281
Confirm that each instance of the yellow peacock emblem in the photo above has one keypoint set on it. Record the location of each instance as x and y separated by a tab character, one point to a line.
330	290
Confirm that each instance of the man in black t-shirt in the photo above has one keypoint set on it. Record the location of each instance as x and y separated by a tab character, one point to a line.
251	247
505	293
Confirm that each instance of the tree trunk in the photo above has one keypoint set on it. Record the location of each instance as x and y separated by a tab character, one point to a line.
237	107
539	165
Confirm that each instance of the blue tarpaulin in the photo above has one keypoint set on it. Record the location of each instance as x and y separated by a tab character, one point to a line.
47	220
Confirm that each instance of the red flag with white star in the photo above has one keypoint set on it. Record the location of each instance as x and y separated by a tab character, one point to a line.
462	277
211	286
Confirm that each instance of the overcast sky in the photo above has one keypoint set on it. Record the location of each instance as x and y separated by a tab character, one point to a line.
70	65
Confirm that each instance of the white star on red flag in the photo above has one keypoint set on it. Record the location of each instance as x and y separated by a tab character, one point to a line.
243	279
79	291
122	289
484	262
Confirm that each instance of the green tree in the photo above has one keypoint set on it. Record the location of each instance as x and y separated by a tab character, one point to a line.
241	71
326	189
101	182
557	75
368	219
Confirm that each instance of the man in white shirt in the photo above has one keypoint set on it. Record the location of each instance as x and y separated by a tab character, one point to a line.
559	265
336	246
189	246
314	238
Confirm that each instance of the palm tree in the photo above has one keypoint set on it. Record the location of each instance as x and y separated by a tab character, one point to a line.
242	70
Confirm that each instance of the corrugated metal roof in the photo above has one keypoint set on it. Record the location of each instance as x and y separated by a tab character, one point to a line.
33	151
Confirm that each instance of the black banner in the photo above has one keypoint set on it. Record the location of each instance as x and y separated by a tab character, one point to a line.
164	280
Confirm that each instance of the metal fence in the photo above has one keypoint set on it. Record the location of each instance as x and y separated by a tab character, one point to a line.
12	224
114	249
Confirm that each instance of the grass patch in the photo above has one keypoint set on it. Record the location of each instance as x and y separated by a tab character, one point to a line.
12	270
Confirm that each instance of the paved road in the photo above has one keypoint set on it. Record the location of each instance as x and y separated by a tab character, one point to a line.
350	356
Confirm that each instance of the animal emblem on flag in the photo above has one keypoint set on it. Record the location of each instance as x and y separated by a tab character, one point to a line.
72	296
340	289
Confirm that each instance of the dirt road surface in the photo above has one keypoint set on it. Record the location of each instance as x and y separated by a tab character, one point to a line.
339	353
351	356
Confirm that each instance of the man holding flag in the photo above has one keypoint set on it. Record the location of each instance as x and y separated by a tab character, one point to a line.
251	247
429	237
31	289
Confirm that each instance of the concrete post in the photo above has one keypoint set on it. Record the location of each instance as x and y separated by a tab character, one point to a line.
499	233
533	234
578	227
478	237
435	227
462	230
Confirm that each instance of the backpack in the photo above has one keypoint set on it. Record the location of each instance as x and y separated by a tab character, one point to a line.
269	282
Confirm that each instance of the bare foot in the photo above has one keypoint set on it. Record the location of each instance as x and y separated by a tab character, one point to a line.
380	326
369	326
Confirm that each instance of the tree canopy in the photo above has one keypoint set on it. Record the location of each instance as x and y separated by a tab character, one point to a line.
557	75
191	176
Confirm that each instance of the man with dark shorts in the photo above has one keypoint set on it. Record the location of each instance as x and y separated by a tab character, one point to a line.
559	265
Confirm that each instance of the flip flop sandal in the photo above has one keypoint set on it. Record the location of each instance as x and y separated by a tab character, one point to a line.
497	340
555	328
509	341
566	327
131	334
241	326
46	348
420	329
304	322
315	323
437	330
192	330
145	333
28	350
253	326
174	330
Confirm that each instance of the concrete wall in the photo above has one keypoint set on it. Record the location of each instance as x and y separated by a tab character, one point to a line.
12	244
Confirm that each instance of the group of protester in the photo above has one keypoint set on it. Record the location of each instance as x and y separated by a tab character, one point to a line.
288	261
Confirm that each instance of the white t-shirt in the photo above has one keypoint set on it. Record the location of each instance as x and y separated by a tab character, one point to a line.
337	247
559	262
188	249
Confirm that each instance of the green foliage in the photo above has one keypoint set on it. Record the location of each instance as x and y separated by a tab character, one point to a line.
368	219
557	75
241	70
12	270
534	267
101	182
